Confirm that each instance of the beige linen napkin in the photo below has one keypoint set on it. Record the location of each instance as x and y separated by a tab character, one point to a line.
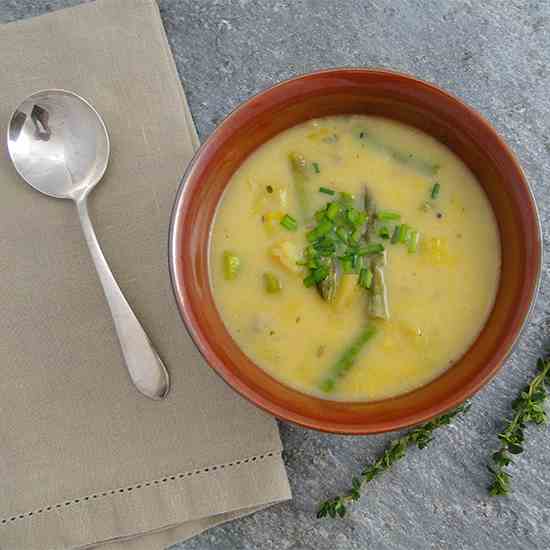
84	458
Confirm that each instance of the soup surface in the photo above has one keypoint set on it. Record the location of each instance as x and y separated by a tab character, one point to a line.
354	258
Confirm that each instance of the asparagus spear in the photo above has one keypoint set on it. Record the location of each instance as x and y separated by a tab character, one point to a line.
300	176
378	295
346	360
419	165
328	286
370	209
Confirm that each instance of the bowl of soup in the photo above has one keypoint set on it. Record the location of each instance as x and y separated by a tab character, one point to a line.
355	250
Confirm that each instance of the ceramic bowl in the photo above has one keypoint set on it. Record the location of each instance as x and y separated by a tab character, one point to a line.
362	91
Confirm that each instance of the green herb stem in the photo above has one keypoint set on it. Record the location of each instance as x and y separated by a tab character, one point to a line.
419	437
528	409
231	265
388	216
288	222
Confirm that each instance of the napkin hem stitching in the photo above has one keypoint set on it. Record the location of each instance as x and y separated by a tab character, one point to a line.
156	482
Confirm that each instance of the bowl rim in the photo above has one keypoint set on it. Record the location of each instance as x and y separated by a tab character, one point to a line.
409	419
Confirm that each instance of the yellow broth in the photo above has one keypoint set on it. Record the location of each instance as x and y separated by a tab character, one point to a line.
439	297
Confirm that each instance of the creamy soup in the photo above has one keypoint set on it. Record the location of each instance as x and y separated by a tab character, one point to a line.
354	258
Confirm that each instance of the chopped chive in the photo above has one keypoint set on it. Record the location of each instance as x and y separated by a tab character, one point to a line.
288	222
395	236
320	215
322	229
272	284
384	232
373	248
316	168
311	252
388	215
327	191
320	274
346	198
435	190
404	231
333	209
309	281
347	265
342	234
231	265
365	278
355	217
412	244
356	235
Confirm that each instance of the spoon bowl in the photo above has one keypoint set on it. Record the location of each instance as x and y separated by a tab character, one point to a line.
60	146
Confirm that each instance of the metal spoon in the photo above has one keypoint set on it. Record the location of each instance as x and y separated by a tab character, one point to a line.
60	146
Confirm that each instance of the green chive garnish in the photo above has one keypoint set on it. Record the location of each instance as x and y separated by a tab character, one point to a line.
365	278
346	198
309	281
384	232
322	229
435	190
320	274
347	265
342	234
388	216
288	222
356	235
412	244
333	210
373	248
327	191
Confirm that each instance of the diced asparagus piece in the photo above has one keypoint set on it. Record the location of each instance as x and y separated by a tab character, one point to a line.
346	360
231	265
412	243
271	283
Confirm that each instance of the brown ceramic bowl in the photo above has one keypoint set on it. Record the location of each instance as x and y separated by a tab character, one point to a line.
375	92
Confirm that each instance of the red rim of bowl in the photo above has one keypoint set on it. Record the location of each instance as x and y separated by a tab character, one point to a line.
201	341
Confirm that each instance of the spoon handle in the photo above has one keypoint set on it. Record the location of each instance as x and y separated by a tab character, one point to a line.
146	368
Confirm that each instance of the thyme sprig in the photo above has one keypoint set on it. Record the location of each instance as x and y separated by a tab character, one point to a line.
420	436
528	409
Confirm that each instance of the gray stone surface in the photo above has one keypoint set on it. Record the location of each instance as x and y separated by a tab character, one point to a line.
496	56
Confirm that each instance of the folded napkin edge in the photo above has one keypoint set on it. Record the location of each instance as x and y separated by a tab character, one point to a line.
140	485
